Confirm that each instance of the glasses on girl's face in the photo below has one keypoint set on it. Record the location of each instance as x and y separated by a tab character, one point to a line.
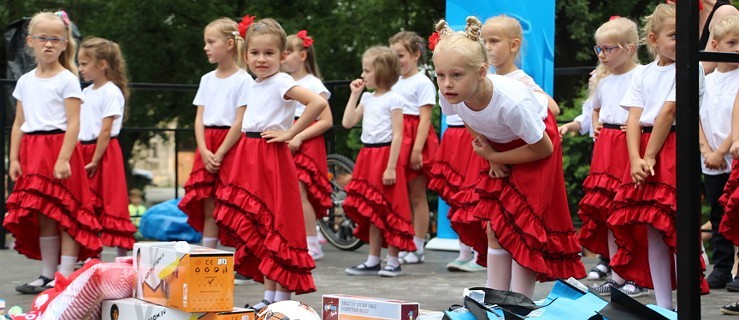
45	39
604	49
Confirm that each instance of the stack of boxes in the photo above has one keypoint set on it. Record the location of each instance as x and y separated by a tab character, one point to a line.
178	281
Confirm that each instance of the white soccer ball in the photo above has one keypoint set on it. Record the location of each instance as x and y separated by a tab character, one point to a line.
288	310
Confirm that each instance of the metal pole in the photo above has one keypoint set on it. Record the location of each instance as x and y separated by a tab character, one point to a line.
688	161
176	164
3	171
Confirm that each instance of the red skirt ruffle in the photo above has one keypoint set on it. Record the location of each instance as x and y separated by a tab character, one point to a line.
369	202
610	159
310	161
452	160
66	201
529	213
653	204
729	227
259	205
202	184
428	154
462	211
108	188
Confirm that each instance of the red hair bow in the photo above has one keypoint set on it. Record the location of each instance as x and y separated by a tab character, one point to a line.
245	23
613	18
307	41
433	40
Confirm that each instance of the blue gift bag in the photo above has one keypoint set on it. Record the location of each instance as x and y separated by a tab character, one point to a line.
166	222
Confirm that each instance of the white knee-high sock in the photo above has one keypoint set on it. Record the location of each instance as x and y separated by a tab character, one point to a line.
66	267
523	280
465	252
210	242
419	242
659	267
499	269
612	249
49	255
282	295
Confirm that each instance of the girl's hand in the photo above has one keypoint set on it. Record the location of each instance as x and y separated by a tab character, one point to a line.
214	163
91	168
639	171
715	160
651	162
357	86
14	171
481	146
388	177
498	171
734	150
563	130
295	144
62	169
596	131
623	128
416	160
276	136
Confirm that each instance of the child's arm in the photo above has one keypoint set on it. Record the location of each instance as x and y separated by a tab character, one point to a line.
353	112
523	154
233	136
714	159
552	105
662	124
424	124
15	170
633	144
314	105
325	121
389	177
102	144
595	121
205	154
62	169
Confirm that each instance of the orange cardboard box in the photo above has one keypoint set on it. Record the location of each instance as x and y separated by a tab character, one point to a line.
348	307
182	276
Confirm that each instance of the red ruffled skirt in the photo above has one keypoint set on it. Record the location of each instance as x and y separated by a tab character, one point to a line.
529	213
462	209
259	205
729	227
368	201
653	204
310	161
610	160
109	191
452	159
66	201
410	130
202	184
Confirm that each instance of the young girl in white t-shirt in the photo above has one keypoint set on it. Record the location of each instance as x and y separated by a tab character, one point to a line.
376	196
101	62
50	210
308	147
260	202
420	142
220	103
616	47
520	190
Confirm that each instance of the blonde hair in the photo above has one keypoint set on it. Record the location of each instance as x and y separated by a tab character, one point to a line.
622	31
267	26
100	49
229	29
386	64
67	57
655	22
726	26
510	27
411	41
295	43
468	44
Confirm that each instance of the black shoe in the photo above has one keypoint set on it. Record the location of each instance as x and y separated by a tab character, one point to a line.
363	270
731	309
29	289
718	280
733	286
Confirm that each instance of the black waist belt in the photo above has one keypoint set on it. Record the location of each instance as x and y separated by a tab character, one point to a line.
94	141
377	145
455	126
36	133
612	126
255	135
649	129
217	127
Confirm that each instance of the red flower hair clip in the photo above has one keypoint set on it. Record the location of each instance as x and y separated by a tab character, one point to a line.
433	40
613	18
307	41
245	23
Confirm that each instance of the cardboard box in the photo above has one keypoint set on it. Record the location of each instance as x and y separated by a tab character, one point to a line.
348	307
185	277
134	309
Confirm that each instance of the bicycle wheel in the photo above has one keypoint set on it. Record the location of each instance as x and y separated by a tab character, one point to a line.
336	227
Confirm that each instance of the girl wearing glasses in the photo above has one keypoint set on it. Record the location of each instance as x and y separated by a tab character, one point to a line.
616	48
50	209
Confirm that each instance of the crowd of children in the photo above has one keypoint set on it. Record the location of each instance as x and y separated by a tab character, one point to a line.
259	180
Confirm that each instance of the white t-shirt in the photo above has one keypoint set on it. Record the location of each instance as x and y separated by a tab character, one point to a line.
715	112
539	94
454	120
416	91
512	113
585	118
103	102
267	108
313	84
220	97
649	89
43	99
608	95
377	122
